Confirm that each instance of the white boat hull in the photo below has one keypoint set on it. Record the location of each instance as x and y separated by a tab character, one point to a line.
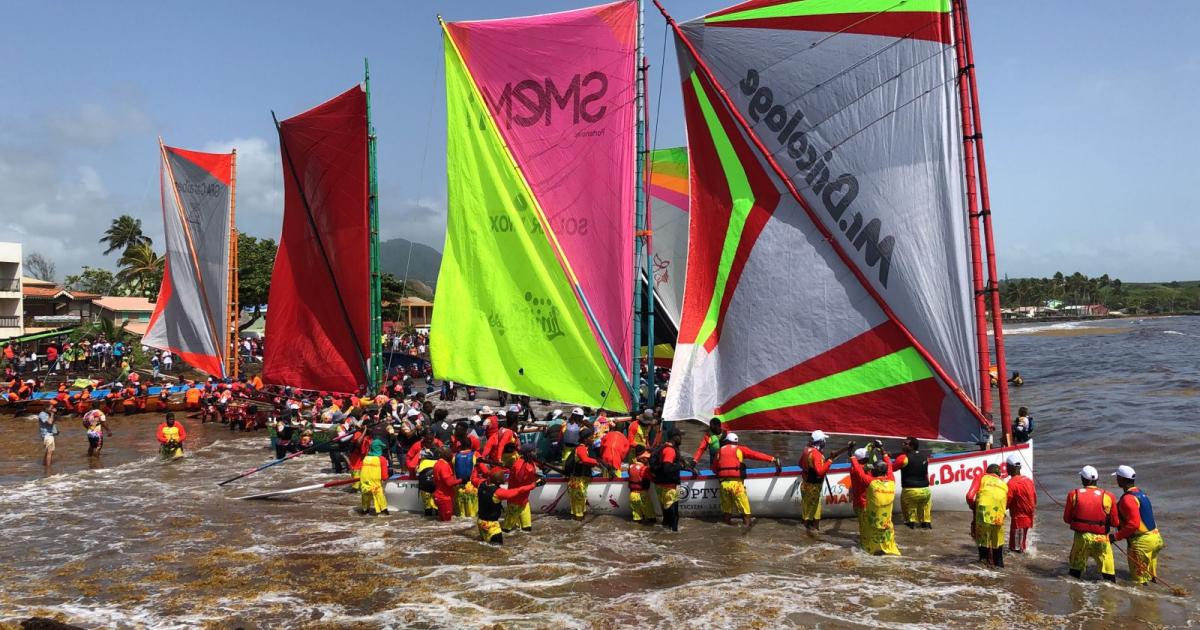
771	495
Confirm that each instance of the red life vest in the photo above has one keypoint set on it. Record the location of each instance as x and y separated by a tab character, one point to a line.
1089	515
728	464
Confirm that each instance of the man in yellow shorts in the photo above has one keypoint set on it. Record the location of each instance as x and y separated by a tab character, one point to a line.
491	507
988	498
1136	518
731	470
1090	512
877	533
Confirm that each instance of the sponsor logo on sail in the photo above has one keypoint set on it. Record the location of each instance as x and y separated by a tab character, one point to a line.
541	101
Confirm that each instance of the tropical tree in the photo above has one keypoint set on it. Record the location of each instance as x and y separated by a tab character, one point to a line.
93	280
125	232
141	269
256	260
40	267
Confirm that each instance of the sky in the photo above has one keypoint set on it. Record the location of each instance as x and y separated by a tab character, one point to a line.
1089	117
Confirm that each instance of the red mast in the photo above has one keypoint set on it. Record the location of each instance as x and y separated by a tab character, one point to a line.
963	26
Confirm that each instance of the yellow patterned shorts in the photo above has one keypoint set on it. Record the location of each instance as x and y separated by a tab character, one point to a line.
733	497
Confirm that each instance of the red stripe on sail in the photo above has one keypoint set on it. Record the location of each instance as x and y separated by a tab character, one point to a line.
324	164
164	294
914	410
219	165
880	341
206	363
929	26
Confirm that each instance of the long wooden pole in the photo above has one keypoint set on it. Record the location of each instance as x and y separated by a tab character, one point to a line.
231	349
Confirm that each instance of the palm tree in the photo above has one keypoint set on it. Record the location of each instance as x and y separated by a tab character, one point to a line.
125	232
141	269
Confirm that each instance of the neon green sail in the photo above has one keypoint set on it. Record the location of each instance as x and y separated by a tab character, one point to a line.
506	315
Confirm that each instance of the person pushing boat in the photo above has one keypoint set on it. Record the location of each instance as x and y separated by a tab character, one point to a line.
1022	504
814	466
1090	512
96	426
916	499
171	437
988	498
1136	524
491	498
731	470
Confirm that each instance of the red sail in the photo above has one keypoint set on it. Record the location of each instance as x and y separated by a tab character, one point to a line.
318	315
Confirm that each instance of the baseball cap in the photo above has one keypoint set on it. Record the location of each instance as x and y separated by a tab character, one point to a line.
819	436
860	453
1125	472
732	438
578	411
1089	473
1013	460
485	411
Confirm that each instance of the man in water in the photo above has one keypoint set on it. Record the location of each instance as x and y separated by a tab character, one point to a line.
521	473
1022	503
370	481
47	431
988	498
877	533
640	505
1136	523
491	498
665	463
444	483
712	440
813	468
1090	512
1023	426
731	470
915	497
578	468
96	426
171	436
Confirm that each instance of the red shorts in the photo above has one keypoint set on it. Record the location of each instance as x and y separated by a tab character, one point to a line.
445	507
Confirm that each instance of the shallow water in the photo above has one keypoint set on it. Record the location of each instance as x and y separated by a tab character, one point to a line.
126	541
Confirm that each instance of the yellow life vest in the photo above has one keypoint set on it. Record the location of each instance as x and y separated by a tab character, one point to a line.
991	501
881	497
171	433
372	469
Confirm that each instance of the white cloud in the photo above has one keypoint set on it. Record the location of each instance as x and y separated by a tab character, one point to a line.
259	184
419	220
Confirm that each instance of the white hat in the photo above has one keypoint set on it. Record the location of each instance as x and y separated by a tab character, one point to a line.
819	436
732	438
860	453
576	412
1013	460
1125	472
485	411
514	408
556	414
1088	473
412	413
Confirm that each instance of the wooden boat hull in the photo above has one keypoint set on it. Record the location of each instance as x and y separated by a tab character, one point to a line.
771	495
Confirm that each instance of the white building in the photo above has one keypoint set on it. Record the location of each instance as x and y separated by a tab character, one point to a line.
12	307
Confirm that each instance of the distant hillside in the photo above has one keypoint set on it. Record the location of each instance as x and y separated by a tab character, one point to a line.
393	256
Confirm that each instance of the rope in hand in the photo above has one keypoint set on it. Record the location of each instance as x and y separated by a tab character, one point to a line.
1175	590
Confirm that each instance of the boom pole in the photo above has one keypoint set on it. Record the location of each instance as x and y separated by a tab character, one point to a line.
989	242
375	364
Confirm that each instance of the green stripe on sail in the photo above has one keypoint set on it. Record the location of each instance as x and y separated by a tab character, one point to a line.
506	315
899	368
743	200
833	7
670	161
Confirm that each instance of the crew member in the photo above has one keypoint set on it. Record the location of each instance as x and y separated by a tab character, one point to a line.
1090	512
640	505
491	495
878	534
614	448
578	467
1022	503
731	470
171	435
711	442
493	448
521	473
191	397
1023	426
645	431
371	479
1136	523
96	426
665	464
444	483
988	498
813	468
915	496
466	499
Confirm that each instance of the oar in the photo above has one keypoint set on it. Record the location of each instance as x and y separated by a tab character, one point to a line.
315	486
284	459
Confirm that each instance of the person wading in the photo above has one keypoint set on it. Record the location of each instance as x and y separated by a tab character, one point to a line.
371	479
640	505
731	470
578	467
877	534
47	430
96	426
988	498
444	484
1137	525
665	463
915	497
1022	503
171	436
1090	512
522	473
491	498
814	466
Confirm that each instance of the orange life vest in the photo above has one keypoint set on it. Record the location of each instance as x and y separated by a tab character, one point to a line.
729	465
1091	514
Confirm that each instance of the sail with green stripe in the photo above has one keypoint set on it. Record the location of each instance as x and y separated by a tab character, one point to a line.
535	291
828	282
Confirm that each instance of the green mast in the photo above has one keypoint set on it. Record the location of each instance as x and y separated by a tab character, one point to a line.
375	364
643	299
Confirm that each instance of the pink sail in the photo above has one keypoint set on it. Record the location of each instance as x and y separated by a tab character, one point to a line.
561	90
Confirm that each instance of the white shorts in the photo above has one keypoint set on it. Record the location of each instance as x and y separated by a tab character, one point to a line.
48	442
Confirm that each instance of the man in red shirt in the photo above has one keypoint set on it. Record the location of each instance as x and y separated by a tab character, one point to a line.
731	471
1090	512
665	464
1022	503
491	496
814	465
614	447
521	473
493	449
444	482
578	467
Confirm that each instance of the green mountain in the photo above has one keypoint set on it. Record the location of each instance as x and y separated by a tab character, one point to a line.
424	265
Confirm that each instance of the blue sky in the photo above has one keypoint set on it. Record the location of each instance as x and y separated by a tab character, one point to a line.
1089	117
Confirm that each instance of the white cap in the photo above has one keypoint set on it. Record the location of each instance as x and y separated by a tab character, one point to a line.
514	408
1013	460
412	413
1125	472
1088	473
819	436
860	453
732	438
486	411
577	411
557	413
